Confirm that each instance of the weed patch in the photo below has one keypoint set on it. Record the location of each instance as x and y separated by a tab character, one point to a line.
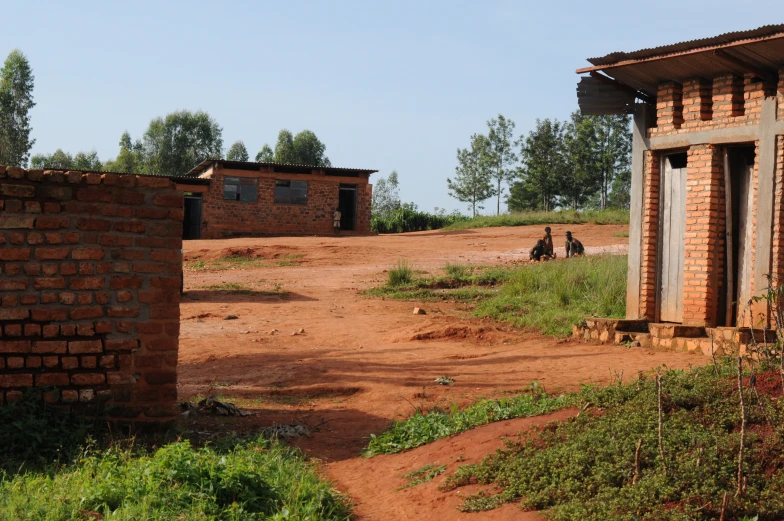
401	274
423	475
611	465
425	427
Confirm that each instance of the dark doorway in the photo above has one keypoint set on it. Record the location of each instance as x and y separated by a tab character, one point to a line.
739	202
191	224
347	204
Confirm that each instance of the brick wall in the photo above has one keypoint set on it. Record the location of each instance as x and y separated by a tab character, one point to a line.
224	218
726	101
90	268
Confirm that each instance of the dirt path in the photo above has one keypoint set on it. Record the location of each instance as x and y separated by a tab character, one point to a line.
362	362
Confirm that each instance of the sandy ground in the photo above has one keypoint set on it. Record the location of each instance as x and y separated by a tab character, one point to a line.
363	362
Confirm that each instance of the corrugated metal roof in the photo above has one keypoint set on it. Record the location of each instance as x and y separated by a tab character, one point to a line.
174	177
255	165
760	33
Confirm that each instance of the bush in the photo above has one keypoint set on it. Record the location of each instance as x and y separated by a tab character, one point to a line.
406	219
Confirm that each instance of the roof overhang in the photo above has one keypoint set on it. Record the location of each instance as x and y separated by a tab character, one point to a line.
759	52
254	166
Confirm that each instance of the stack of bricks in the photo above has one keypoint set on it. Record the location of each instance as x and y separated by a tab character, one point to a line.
650	235
669	106
90	268
704	235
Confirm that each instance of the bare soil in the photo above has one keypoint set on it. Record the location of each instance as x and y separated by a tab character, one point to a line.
363	362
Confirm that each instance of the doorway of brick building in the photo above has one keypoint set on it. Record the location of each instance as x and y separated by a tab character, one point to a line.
672	222
191	223
347	204
739	202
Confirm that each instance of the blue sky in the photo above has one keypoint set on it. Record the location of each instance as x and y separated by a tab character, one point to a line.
385	85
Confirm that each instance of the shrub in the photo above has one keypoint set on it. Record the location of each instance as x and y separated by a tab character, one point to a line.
406	219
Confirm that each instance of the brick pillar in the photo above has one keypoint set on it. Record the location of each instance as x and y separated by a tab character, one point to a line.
780	95
697	102
650	235
727	96
778	214
669	105
704	241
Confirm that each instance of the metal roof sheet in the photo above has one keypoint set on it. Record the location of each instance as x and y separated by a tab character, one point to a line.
256	165
725	39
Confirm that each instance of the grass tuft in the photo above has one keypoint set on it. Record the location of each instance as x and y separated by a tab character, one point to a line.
401	274
423	475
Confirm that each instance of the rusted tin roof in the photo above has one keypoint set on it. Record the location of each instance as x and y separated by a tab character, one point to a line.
722	40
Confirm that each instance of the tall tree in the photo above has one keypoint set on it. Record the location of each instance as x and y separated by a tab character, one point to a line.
87	161
386	195
284	148
130	159
58	160
499	154
16	100
472	183
175	144
237	152
309	150
582	176
613	149
543	162
265	155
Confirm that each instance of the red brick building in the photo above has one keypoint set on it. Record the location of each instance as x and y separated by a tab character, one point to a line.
239	198
707	197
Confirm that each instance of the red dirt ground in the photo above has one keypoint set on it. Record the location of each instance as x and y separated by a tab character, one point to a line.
363	362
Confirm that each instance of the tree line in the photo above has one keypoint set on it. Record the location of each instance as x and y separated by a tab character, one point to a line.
581	163
171	145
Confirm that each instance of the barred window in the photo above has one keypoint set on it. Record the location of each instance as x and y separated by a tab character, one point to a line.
291	192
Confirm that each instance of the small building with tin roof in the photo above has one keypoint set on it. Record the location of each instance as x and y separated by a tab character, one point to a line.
243	198
707	196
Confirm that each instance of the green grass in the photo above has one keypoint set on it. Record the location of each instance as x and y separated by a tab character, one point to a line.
49	470
585	468
539	218
423	474
549	297
401	274
238	288
426	427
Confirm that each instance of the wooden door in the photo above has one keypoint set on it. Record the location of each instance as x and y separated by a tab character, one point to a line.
673	230
745	172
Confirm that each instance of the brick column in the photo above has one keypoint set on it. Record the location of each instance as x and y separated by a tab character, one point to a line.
778	214
704	235
650	236
669	106
727	96
697	102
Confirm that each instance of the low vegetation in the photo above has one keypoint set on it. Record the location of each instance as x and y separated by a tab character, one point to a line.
53	472
548	297
423	474
624	462
528	218
240	262
406	219
428	426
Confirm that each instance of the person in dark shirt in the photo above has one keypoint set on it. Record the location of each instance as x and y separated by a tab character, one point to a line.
574	248
538	252
548	242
